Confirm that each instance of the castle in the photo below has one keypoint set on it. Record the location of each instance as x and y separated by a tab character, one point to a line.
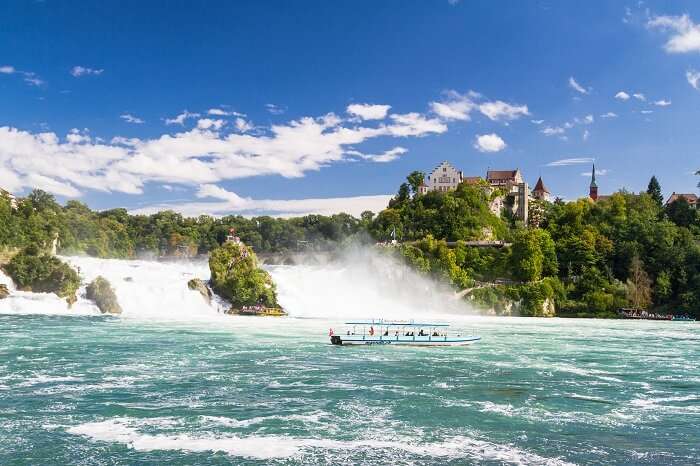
515	191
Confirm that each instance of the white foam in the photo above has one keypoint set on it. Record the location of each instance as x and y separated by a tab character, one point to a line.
123	431
23	302
48	379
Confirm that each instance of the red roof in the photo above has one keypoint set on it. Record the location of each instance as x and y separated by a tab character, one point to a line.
472	179
691	198
540	187
501	174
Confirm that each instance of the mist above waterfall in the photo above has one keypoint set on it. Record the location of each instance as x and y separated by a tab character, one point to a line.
362	282
358	282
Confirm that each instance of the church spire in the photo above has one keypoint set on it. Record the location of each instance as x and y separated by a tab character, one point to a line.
593	191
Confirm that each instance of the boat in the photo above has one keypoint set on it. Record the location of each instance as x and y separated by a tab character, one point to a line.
258	311
640	314
381	332
683	318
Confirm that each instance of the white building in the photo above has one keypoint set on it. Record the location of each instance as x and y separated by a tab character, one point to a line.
445	177
8	195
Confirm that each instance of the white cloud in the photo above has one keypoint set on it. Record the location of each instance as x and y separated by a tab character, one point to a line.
693	78
577	87
685	35
78	71
29	77
646	112
129	118
455	106
640	96
388	156
275	109
205	154
216	192
208	123
368	111
552	130
414	124
571	161
586	134
51	185
609	115
537	122
489	143
662	103
243	125
587	120
222	112
500	110
622	95
231	203
180	119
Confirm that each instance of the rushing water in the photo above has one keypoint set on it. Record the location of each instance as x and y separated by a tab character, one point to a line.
172	381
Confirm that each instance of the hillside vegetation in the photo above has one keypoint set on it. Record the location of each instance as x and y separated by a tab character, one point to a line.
580	258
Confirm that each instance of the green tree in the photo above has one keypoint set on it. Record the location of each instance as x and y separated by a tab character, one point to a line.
415	179
638	285
654	190
681	213
236	276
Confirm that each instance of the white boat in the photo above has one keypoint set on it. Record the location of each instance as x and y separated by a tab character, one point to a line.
381	332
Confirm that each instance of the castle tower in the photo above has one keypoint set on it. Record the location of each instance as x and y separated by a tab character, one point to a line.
593	190
541	192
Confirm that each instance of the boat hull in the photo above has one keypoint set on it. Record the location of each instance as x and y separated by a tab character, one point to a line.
359	340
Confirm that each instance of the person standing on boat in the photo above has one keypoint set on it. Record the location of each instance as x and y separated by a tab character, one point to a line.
371	331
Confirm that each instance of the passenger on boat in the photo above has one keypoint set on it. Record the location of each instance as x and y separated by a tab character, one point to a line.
386	333
435	334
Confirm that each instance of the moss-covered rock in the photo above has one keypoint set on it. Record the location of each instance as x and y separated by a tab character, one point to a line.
198	285
100	291
236	276
4	291
34	270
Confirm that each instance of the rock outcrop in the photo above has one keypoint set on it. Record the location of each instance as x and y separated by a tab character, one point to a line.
4	291
100	291
198	285
34	270
236	276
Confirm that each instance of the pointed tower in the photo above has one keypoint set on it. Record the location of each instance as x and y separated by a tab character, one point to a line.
593	190
541	192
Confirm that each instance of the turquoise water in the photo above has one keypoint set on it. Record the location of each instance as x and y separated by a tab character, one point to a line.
87	389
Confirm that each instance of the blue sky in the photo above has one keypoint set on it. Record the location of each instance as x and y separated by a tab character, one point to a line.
296	107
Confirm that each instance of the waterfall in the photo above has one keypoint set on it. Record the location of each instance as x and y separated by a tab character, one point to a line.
357	284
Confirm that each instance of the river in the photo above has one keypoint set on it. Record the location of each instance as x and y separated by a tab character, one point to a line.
174	381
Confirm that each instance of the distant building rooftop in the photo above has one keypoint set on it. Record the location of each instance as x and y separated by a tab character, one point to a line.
501	174
691	198
540	187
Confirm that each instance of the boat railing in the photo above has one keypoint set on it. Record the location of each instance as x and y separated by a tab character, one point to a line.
398	336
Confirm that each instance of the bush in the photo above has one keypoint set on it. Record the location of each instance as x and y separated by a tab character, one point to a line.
33	270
